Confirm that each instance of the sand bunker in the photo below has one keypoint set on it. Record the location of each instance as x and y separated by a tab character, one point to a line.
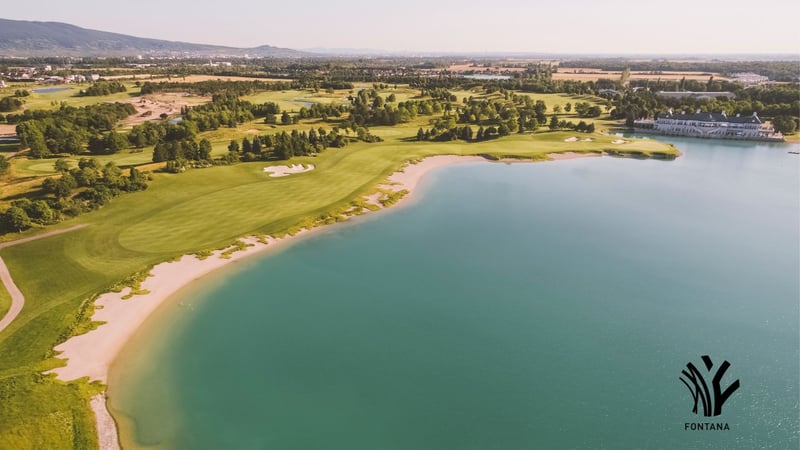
619	141
572	139
282	171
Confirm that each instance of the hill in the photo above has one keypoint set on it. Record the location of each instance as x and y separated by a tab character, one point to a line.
19	38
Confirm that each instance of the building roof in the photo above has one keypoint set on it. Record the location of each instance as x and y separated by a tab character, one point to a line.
712	117
697	95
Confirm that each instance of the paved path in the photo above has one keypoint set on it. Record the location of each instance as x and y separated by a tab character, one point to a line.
17	300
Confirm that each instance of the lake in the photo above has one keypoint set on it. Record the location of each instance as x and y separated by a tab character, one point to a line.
548	305
50	90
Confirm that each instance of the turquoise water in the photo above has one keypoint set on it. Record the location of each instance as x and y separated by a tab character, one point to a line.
520	306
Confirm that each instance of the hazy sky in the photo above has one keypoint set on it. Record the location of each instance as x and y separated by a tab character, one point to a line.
553	26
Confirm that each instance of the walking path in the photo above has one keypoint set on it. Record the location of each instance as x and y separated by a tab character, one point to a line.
17	299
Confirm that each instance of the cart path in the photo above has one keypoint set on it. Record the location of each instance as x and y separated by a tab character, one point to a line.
17	299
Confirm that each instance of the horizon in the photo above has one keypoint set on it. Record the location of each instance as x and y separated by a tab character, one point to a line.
451	27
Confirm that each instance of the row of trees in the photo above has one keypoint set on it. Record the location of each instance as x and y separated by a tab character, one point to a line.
100	88
781	103
9	104
73	192
449	131
67	129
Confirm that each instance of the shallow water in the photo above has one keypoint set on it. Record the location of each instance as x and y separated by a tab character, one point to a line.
515	306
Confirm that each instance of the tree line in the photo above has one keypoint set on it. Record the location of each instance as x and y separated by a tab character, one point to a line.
74	191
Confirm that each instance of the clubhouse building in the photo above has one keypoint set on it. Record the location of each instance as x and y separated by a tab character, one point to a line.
710	125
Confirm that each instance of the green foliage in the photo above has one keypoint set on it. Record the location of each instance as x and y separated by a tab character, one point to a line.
237	246
102	87
15	219
67	129
785	124
4	165
9	104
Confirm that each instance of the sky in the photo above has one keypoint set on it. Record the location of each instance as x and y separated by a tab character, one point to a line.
553	26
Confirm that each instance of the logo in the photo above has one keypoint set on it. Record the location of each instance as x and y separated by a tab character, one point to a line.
710	397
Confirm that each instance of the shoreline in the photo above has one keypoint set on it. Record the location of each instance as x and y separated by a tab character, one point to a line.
93	353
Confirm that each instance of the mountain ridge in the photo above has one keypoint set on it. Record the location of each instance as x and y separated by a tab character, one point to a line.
19	38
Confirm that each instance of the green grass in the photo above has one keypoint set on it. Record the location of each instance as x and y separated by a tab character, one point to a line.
293	100
189	213
52	100
40	167
5	301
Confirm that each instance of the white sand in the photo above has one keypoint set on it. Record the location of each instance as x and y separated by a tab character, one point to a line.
572	139
106	427
410	175
282	171
619	141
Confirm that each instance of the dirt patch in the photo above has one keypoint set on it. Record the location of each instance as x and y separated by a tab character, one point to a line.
150	107
8	130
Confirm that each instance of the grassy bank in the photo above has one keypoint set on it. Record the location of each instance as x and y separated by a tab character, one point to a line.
5	301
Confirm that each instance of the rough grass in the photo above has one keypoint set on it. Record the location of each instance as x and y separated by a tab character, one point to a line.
5	301
192	212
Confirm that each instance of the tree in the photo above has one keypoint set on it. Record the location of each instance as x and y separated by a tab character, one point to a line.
41	213
88	163
568	107
61	165
785	124
4	165
115	142
286	119
204	149
233	147
420	134
15	218
554	122
625	76
8	104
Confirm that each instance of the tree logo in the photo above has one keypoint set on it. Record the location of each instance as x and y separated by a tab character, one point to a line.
713	399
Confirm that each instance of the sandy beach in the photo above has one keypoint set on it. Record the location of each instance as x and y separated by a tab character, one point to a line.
91	354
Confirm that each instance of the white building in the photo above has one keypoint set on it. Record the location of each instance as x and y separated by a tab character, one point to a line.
749	79
711	125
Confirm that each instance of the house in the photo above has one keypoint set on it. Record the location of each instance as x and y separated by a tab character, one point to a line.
711	125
